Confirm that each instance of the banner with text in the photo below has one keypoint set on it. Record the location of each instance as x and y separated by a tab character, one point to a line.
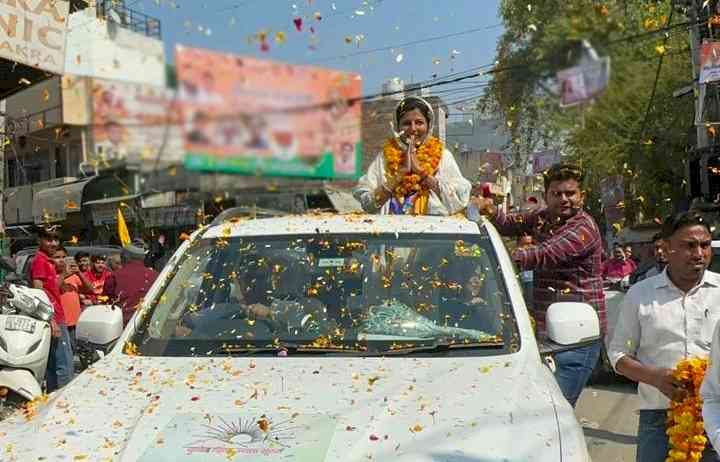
33	32
259	117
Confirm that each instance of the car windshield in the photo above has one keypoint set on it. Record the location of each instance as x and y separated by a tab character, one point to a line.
346	294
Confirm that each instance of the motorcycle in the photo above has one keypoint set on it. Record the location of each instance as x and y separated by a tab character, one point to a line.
25	337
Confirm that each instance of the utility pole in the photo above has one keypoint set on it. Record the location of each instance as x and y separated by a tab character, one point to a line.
705	152
4	242
694	12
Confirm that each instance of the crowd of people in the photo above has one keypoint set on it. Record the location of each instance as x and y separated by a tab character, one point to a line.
625	269
73	283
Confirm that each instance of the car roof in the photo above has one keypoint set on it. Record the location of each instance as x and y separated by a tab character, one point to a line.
245	212
70	249
351	223
92	250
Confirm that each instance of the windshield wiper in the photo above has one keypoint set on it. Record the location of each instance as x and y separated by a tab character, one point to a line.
233	349
442	347
289	348
295	348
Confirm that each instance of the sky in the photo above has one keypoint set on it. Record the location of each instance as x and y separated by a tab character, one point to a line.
225	25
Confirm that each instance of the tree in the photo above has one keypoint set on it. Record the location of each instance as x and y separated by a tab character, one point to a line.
631	129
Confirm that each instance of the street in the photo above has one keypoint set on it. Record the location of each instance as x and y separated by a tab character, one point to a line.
608	415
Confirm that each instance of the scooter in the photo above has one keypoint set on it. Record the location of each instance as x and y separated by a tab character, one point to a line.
25	337
97	332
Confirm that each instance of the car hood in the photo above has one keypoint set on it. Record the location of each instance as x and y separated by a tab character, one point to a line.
303	408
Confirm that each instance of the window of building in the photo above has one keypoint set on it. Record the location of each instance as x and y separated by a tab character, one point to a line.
60	161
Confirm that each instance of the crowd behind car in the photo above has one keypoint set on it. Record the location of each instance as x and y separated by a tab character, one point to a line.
75	278
623	268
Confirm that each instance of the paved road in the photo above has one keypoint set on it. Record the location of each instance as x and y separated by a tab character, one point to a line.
609	418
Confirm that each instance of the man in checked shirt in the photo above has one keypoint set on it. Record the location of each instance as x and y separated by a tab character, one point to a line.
567	262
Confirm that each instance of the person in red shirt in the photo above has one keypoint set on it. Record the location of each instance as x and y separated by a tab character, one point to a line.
619	266
97	275
127	286
83	261
72	284
60	368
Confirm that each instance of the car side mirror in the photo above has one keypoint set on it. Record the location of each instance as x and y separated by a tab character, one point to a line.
99	325
569	325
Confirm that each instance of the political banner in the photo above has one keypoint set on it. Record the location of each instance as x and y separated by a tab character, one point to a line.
709	62
259	117
137	123
584	82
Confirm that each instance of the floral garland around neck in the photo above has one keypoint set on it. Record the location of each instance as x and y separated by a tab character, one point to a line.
685	423
428	156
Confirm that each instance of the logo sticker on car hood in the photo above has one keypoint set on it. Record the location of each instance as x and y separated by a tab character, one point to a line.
265	437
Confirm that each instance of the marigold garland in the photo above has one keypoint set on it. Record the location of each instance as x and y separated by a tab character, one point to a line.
686	430
428	156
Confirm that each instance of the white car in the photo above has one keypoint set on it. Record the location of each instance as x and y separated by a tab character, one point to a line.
321	338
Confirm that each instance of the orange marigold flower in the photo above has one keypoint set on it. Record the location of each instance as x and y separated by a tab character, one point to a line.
685	425
428	155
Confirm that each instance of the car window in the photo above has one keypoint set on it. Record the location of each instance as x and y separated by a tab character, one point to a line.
359	292
715	262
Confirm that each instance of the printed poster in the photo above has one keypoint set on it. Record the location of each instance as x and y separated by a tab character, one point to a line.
259	117
139	123
584	82
709	62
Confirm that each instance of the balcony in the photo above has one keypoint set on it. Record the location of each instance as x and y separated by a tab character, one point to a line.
127	18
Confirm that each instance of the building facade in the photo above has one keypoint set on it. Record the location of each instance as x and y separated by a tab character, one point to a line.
48	146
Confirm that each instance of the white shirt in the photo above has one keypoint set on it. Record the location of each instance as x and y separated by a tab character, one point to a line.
710	392
659	325
454	188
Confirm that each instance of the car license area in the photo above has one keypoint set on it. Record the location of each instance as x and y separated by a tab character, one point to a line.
20	324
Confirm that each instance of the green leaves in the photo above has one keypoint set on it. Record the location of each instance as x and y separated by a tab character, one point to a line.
606	134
